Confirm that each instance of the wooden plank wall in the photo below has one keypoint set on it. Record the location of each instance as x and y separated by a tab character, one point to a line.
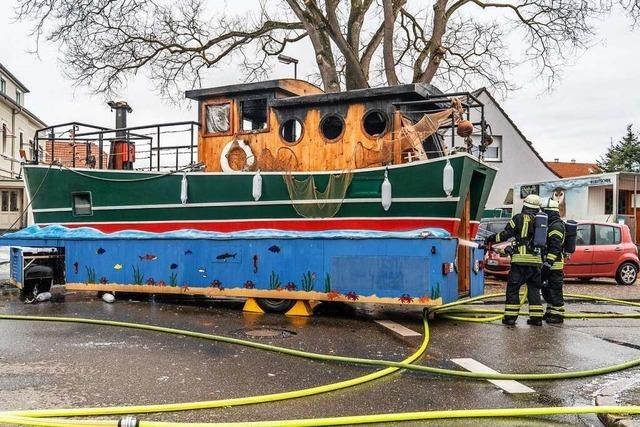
313	152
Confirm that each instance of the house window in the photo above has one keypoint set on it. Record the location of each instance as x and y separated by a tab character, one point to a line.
31	150
624	199
18	97
494	151
13	201
3	85
9	201
253	114
4	138
82	203
21	140
218	117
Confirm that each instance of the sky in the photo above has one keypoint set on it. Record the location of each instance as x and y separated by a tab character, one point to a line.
596	98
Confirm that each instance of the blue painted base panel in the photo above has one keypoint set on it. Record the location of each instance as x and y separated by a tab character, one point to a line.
386	269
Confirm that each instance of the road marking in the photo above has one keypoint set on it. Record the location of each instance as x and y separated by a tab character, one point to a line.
398	328
507	385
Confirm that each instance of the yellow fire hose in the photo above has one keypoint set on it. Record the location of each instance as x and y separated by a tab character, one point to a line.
43	417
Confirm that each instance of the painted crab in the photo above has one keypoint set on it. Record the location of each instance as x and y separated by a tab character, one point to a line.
151	281
249	285
217	284
161	283
103	280
333	295
352	296
291	286
405	299
424	299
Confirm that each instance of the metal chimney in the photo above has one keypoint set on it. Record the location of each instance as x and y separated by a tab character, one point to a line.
119	157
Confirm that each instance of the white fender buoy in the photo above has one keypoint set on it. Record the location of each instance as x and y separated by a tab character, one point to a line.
447	178
386	192
257	186
184	186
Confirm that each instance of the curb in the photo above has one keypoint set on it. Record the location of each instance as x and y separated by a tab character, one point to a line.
611	420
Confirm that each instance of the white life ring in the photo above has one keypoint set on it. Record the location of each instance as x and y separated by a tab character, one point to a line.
224	156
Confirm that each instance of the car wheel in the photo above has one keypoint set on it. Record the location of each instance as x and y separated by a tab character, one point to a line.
627	273
275	305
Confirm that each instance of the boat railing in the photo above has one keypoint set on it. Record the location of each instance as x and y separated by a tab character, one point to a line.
161	146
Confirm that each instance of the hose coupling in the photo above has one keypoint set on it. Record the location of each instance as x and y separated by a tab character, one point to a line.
129	421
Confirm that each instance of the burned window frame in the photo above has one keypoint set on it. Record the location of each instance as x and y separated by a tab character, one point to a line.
302	130
205	113
322	122
240	102
387	123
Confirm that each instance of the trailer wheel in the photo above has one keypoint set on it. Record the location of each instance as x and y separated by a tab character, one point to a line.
275	305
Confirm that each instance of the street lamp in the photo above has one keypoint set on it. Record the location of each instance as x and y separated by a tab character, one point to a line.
289	60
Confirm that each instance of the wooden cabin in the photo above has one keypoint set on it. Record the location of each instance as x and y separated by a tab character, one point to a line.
292	125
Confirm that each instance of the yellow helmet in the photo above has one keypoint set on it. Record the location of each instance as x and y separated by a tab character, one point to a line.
551	205
532	201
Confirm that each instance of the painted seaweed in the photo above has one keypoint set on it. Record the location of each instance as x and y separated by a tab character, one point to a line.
327	283
91	274
138	277
308	281
173	279
274	281
435	292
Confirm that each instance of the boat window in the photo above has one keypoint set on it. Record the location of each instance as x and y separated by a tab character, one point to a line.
82	203
332	127
218	118
375	123
291	131
253	113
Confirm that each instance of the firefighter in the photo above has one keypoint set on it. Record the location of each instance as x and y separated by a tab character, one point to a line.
552	274
525	263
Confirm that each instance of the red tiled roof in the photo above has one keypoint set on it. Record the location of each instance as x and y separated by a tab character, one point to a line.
570	169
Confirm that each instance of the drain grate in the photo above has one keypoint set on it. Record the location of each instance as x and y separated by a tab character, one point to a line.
266	333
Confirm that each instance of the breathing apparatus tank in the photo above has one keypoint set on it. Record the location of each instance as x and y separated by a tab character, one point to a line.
540	224
570	236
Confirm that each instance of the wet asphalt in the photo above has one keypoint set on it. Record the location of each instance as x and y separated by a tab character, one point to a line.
56	365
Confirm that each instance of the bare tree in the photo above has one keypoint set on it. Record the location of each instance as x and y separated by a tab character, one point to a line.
456	44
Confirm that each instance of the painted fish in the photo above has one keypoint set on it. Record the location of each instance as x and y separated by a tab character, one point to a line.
118	266
75	267
255	263
275	249
100	251
148	257
225	256
188	252
202	270
173	266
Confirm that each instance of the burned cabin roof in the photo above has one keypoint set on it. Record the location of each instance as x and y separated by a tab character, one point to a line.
286	87
407	92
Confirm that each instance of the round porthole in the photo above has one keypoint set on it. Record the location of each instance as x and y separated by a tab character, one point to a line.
375	123
291	131
332	127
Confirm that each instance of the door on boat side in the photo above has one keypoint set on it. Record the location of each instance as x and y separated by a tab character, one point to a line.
580	262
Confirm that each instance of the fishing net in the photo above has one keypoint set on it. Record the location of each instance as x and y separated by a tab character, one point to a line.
318	204
284	160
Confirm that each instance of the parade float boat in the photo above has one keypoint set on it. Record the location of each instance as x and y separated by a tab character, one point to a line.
278	192
278	154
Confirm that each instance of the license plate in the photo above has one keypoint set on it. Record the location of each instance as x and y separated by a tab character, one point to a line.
492	262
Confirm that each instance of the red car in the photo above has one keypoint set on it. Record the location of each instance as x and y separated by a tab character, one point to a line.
602	250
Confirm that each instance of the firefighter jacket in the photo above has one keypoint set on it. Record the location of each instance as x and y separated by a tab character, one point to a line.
555	242
520	227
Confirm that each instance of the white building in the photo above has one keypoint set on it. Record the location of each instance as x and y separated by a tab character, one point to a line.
511	153
17	131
